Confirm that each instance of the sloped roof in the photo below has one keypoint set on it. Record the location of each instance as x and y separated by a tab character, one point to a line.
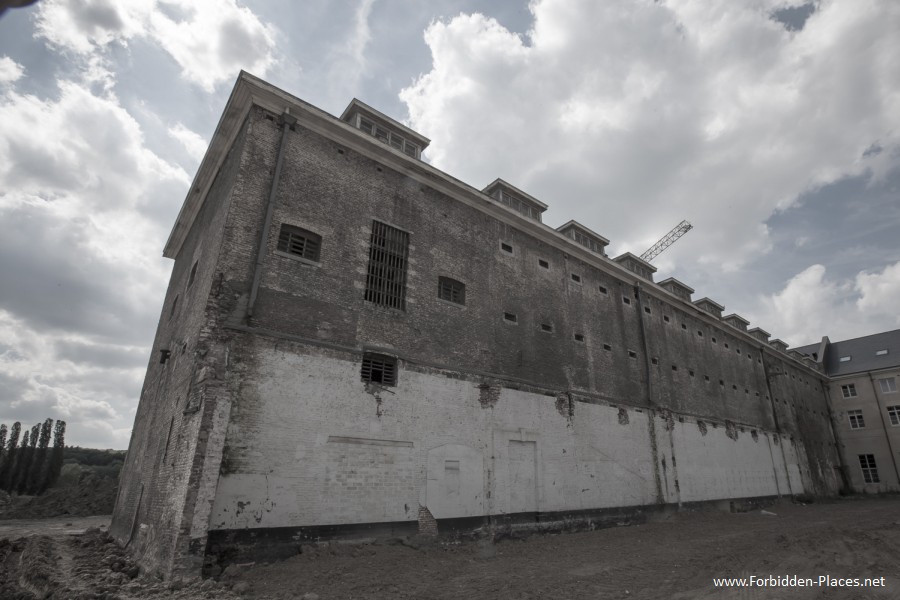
862	353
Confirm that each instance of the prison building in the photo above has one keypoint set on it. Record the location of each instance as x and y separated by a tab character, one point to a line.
357	344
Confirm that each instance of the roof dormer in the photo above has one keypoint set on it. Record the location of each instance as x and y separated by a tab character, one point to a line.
778	345
516	199
584	236
636	265
710	306
384	129
736	321
760	334
677	288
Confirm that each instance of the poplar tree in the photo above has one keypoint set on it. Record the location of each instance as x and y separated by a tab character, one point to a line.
40	466
8	464
56	454
26	462
3	433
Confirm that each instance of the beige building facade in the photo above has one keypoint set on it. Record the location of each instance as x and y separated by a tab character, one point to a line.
863	390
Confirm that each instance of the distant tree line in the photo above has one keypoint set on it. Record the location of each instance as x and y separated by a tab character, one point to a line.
30	467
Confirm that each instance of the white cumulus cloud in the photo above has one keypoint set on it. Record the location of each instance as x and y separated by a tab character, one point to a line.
210	40
630	116
811	305
10	70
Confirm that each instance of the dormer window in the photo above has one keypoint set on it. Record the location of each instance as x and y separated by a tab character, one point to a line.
584	237
516	199
636	265
392	139
384	129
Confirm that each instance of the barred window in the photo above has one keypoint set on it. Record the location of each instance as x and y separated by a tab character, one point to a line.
299	242
386	275
378	368
451	290
869	469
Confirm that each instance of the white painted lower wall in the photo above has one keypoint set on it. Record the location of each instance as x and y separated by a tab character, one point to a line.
308	445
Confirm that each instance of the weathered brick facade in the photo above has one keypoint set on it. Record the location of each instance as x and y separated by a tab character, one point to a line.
607	398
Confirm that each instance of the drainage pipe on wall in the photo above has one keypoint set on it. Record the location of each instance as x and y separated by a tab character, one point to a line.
651	413
287	122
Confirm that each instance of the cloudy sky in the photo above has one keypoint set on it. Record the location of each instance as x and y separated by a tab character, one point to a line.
773	126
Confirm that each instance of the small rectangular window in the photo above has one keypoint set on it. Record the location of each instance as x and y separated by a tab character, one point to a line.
849	390
626	299
411	149
869	469
506	247
576	278
602	289
451	290
386	274
881	352
699	333
511	317
607	347
299	242
632	354
543	263
674	367
888	385
378	368
547	328
894	414
713	340
665	318
845	359
654	360
684	326
647	309
856	419
579	337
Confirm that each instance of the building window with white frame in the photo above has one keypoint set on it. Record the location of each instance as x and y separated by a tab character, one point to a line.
894	414
856	419
888	385
849	390
869	469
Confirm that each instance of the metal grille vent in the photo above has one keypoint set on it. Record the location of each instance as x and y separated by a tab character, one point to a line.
377	368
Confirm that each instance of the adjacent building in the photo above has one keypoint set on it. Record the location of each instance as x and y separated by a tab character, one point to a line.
354	343
864	374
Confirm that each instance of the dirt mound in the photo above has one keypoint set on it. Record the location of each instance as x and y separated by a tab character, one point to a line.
91	495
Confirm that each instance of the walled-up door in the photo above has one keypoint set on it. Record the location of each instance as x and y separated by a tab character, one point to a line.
522	476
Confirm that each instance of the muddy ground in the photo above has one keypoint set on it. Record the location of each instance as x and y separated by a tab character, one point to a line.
675	558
